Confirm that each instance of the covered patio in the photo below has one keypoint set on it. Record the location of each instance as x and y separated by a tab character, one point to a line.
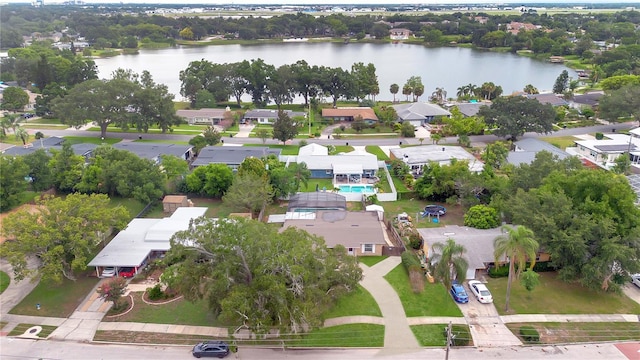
347	173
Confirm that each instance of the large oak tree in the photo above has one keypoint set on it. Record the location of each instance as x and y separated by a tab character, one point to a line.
62	233
513	116
253	275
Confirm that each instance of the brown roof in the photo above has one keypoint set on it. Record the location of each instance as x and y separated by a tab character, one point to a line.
173	199
366	113
351	229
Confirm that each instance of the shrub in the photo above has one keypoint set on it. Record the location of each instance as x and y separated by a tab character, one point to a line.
415	241
409	259
303	143
599	136
155	293
529	334
498	272
503	271
482	217
342	128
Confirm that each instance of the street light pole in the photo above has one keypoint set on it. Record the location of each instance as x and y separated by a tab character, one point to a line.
309	116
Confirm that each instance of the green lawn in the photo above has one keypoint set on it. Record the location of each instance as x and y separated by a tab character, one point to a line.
383	183
132	205
562	333
178	312
371	260
341	149
561	142
434	334
368	131
322	184
44	121
21	328
554	296
90	140
375	150
433	301
56	300
400	186
176	131
454	216
162	141
351	335
5	280
357	302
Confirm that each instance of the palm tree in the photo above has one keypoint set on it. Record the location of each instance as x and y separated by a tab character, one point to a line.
22	134
440	95
407	90
530	89
462	92
301	174
518	245
394	90
448	261
417	92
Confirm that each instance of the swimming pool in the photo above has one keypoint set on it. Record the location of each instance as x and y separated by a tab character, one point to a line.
361	189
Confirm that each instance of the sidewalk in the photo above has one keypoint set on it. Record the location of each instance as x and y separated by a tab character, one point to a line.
397	335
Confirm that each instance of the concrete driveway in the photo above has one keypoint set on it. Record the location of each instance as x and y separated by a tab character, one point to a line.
632	291
487	329
17	290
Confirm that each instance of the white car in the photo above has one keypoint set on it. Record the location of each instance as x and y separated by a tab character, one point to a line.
635	279
109	271
480	291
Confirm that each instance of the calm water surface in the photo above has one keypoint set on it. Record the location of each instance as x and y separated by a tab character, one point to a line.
447	67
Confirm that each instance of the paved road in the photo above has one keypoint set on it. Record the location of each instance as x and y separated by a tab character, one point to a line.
322	140
20	349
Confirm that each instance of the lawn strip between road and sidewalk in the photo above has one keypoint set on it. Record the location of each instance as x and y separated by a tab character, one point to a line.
350	335
554	296
436	335
580	332
22	328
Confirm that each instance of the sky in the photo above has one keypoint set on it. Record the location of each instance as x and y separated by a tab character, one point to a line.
325	2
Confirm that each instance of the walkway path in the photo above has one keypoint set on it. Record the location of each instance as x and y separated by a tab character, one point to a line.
397	335
244	131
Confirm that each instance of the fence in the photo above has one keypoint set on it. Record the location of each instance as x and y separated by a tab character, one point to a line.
395	238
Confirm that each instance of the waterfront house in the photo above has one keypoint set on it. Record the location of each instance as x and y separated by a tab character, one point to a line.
419	113
399	34
203	116
552	99
267	116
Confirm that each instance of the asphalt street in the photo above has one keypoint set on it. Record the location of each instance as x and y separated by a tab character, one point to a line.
20	349
324	141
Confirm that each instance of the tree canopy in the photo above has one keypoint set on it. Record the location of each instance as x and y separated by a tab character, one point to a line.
62	233
512	116
253	275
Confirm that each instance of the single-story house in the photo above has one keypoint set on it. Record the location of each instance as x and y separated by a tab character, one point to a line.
349	167
603	153
479	245
418	156
469	109
231	156
203	116
48	144
552	99
268	116
419	113
350	114
360	232
143	240
588	100
153	151
525	151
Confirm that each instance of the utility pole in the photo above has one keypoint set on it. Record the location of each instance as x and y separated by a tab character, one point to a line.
446	356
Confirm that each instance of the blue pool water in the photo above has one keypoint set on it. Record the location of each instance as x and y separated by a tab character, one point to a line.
368	189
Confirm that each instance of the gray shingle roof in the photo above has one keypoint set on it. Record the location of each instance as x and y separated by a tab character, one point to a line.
419	111
153	150
231	155
529	148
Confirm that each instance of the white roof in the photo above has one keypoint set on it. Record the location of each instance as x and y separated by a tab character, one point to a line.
313	149
328	162
635	131
421	155
347	169
133	244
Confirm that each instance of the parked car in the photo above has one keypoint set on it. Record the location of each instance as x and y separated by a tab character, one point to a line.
459	293
218	349
127	272
109	271
480	291
635	279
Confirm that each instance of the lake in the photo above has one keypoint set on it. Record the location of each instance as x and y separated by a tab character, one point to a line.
448	67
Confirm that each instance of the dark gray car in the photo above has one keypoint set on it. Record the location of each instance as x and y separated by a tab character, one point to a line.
217	349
